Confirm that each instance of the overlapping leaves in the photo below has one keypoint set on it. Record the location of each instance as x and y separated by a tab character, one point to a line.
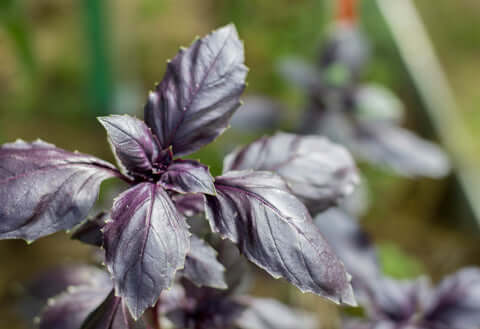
403	304
145	235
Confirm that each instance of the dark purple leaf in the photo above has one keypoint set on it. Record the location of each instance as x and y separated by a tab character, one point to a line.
202	267
132	142
44	189
456	302
188	176
70	309
112	314
351	244
90	232
275	231
199	93
189	204
146	243
265	313
315	169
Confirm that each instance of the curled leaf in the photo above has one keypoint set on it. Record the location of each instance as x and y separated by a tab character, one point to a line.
188	176
132	142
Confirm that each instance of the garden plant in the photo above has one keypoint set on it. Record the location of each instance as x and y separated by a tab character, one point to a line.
256	203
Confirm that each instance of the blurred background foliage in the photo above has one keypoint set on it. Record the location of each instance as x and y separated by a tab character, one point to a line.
62	63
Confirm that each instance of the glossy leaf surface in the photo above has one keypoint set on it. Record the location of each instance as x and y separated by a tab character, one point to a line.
44	189
315	169
202	266
274	230
132	142
146	243
199	93
188	176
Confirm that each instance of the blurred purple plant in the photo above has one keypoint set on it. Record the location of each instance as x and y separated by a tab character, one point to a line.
400	304
146	238
363	117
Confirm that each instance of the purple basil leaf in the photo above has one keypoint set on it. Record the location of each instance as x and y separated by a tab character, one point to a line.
317	171
90	232
44	189
189	204
112	314
132	142
70	309
265	313
202	267
145	243
351	244
199	93
456	302
275	231
188	176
